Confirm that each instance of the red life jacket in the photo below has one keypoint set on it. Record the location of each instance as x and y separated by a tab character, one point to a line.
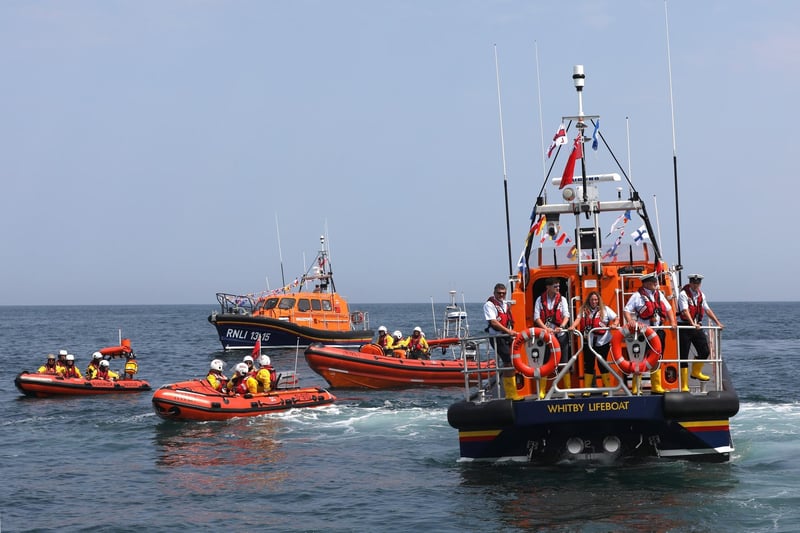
273	377
415	344
652	306
695	305
240	386
554	316
70	371
382	341
590	322
504	317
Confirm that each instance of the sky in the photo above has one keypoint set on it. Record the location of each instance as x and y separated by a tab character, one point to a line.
160	152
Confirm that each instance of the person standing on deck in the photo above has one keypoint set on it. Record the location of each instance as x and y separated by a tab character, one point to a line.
551	312
649	307
595	314
501	328
692	306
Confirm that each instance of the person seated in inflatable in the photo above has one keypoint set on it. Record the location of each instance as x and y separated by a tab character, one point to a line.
49	367
70	370
399	346
242	382
266	377
61	363
385	341
94	365
250	362
104	372
215	377
417	346
131	366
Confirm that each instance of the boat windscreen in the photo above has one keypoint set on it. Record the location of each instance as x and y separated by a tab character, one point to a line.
286	303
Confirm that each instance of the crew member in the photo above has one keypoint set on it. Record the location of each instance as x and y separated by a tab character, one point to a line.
94	365
501	328
266	375
131	366
692	307
215	377
551	312
242	382
650	308
70	370
417	346
104	372
49	367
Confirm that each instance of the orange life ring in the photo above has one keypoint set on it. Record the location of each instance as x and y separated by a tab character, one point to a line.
651	358
526	337
357	317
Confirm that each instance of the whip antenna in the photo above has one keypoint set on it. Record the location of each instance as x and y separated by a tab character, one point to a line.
679	266
503	155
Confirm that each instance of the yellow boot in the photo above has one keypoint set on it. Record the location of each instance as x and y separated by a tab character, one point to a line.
606	382
510	388
685	379
588	381
636	380
697	372
655	382
542	387
567	381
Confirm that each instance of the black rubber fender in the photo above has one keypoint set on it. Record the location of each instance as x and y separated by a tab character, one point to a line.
484	415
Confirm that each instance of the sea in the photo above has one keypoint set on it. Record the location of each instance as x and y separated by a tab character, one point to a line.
374	460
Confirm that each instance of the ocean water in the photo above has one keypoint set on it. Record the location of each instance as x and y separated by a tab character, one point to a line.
374	461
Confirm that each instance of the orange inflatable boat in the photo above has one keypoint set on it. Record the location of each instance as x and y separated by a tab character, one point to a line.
197	400
44	385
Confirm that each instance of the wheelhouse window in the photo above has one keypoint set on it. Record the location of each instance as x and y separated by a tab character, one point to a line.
286	303
267	304
303	304
315	305
326	305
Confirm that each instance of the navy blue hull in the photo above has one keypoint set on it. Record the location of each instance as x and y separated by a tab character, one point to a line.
601	429
241	332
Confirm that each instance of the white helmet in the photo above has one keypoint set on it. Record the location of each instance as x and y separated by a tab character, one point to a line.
62	352
217	365
248	358
264	360
104	363
418	329
397	334
383	329
70	357
241	368
97	355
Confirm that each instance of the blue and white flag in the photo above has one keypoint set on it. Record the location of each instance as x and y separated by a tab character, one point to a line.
522	264
640	235
594	134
